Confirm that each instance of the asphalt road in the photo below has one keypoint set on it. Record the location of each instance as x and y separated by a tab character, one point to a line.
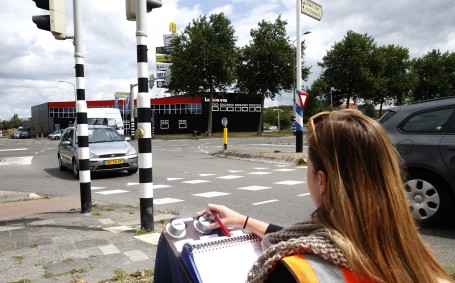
186	177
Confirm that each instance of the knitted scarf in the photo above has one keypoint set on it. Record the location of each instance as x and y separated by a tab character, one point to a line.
303	237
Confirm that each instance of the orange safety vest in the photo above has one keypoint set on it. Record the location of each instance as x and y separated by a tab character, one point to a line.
311	268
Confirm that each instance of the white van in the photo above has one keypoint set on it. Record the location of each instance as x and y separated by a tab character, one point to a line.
106	116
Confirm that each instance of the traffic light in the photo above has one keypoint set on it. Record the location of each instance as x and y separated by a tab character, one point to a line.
55	22
131	8
337	97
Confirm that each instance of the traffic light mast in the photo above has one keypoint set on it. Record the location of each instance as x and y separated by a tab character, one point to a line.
55	22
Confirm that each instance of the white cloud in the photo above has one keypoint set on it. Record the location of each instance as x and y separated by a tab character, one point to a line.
32	61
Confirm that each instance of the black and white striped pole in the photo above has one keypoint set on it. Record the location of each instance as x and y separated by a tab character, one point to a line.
81	113
144	129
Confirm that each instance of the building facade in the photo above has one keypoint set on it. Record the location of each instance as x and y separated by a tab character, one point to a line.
170	115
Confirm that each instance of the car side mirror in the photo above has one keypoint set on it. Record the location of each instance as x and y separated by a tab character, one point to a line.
66	143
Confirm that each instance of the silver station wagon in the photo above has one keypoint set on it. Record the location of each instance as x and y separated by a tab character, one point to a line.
109	151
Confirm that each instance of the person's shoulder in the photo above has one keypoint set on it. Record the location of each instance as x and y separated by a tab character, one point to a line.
281	273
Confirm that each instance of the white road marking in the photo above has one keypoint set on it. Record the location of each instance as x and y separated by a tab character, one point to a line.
173	179
290	183
235	171
166	200
98	188
25	160
196	181
264	202
303	195
111	192
205	175
228	177
132	184
13	149
260	173
160	186
254	188
285	169
211	194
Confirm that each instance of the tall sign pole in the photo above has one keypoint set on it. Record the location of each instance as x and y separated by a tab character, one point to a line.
298	65
144	129
313	10
81	113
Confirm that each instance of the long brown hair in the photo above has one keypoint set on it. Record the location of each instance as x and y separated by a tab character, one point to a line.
365	206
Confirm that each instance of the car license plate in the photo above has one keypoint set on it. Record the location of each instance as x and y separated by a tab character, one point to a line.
113	162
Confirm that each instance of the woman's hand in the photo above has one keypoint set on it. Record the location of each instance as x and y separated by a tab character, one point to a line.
228	216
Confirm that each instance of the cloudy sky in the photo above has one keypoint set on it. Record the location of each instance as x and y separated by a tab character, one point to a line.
32	61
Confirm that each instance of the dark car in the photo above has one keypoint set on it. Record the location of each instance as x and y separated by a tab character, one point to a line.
424	134
20	134
108	151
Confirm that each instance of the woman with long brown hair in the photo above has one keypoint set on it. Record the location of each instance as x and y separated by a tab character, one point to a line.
362	229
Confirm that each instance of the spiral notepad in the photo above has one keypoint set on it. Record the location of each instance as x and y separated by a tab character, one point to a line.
223	259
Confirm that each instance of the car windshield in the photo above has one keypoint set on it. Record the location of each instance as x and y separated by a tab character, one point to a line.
98	135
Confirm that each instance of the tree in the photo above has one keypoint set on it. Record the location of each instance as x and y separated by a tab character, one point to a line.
347	66
204	59
435	73
392	81
15	121
266	65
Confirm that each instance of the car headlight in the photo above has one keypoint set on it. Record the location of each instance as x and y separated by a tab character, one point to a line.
131	151
92	155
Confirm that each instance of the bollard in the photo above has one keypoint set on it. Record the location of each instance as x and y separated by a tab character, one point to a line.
225	137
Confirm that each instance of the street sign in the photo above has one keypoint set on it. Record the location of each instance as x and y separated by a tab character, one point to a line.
164	49
162	66
168	38
160	83
224	121
163	58
312	9
122	95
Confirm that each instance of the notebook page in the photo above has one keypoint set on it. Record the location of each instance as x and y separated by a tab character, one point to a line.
227	259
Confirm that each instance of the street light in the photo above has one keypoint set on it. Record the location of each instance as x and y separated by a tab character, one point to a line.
75	97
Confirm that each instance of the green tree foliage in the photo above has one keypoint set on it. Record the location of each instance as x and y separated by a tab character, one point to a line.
435	75
392	82
266	65
347	66
271	116
204	59
318	99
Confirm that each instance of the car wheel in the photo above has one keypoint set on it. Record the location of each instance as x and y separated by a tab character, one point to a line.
429	198
60	164
75	168
133	171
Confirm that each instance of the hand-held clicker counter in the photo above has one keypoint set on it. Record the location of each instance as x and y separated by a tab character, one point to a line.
185	227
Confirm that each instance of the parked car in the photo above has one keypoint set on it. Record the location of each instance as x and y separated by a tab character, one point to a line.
424	134
55	135
20	134
109	151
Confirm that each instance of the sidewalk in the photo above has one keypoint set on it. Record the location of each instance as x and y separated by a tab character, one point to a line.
50	240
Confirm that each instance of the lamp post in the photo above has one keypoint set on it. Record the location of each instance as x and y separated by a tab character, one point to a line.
75	97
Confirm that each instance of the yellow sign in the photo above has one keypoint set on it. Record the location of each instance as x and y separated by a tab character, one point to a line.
164	58
172	27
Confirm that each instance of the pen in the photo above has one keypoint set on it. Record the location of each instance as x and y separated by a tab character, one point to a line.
223	228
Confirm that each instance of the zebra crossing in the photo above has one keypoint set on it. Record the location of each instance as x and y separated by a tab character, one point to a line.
209	177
